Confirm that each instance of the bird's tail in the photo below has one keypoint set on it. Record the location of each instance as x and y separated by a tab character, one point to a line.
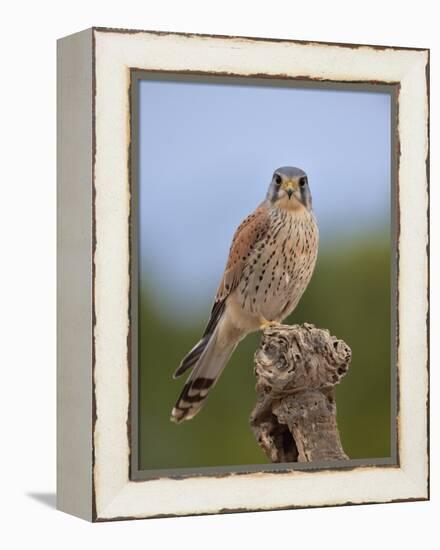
209	358
192	357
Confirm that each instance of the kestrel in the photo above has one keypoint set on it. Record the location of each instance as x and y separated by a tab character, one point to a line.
271	261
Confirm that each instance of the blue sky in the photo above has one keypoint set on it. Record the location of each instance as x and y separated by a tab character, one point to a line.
207	153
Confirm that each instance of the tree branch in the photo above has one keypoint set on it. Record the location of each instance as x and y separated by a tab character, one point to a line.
294	419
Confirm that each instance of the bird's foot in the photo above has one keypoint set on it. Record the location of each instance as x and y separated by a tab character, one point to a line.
268	324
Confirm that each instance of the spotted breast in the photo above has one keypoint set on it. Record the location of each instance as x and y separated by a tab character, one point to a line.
280	266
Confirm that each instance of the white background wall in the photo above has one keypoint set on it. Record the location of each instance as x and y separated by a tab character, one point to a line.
27	300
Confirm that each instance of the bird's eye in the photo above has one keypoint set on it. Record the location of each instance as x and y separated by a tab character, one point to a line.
278	179
302	182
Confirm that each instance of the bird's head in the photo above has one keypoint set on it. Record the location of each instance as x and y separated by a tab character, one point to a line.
289	189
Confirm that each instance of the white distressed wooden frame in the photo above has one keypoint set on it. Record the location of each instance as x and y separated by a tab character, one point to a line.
94	276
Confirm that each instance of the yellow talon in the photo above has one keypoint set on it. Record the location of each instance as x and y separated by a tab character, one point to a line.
268	324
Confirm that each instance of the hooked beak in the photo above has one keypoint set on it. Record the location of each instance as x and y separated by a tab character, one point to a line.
289	188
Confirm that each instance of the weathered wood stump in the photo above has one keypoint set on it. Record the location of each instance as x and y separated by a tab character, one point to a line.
297	368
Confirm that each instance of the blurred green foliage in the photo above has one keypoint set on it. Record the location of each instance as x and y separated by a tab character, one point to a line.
350	294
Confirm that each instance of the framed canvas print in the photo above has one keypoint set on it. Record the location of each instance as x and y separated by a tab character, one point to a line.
243	256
